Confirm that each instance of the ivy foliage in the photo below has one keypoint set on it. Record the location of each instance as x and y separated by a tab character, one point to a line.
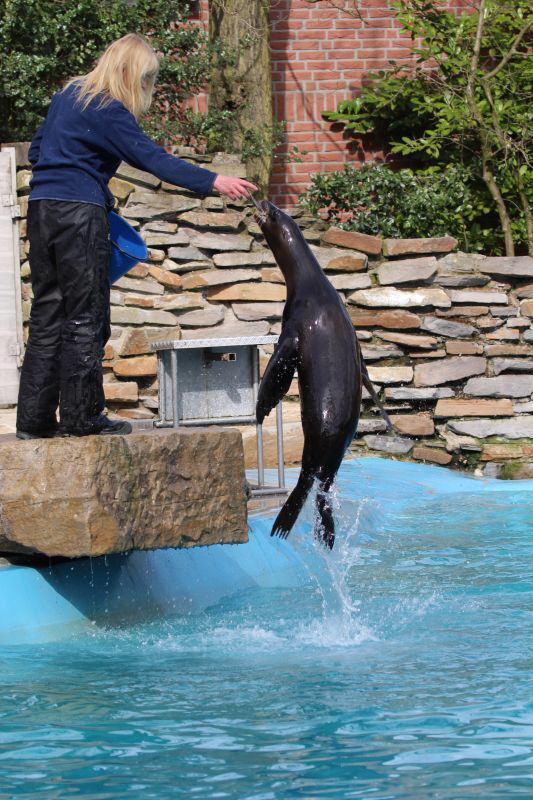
44	42
466	103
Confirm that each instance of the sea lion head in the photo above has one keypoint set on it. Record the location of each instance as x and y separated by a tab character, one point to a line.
278	228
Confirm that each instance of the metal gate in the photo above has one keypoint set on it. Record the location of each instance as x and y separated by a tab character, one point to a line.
10	300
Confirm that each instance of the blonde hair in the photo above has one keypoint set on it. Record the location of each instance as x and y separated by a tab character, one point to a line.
126	71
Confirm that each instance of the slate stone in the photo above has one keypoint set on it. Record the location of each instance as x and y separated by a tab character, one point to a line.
221	241
350	282
187	253
508	311
458	348
413	424
390	297
444	327
262	292
434	455
461	407
525	292
145	285
140	316
121	392
436	244
376	353
501	386
500	365
518	322
240	259
136	366
335	258
166	278
218	277
508	266
162	239
409	340
138	176
374	425
353	240
448	370
149	205
454	443
508	350
420	271
204	317
120	189
390	374
272	275
228	330
389	444
460	280
180	301
463	311
409	393
503	334
255	311
515	428
524	407
160	226
526	308
484	298
226	220
395	320
528	336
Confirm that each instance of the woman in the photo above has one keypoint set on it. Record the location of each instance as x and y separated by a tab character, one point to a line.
91	126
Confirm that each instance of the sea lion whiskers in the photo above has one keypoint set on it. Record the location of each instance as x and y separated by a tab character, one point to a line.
261	215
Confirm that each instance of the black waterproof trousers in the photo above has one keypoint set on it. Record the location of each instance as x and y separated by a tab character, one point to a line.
69	324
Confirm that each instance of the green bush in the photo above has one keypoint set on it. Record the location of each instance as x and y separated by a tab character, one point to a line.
44	42
403	204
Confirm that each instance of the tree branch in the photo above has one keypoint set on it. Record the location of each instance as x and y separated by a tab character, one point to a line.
511	52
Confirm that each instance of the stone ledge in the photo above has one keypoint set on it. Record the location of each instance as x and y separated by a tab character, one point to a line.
105	494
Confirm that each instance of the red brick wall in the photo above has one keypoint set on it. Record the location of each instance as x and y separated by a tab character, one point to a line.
320	56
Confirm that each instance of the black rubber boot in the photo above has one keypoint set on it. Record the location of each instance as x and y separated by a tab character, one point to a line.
105	426
47	434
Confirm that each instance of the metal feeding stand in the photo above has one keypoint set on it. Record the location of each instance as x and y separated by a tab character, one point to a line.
215	382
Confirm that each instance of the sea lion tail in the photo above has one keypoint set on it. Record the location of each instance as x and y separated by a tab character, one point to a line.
293	505
367	383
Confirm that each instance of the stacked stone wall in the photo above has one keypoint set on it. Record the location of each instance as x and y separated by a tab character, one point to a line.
447	336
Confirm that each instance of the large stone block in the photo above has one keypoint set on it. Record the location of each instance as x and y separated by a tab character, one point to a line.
436	244
516	428
421	270
448	370
104	494
508	266
501	386
390	297
353	240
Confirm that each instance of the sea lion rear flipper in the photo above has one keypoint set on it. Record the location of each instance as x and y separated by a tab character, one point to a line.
278	376
367	383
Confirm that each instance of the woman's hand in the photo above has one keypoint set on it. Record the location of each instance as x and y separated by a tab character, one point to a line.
233	187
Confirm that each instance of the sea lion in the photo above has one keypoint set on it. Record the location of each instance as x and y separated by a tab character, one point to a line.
318	341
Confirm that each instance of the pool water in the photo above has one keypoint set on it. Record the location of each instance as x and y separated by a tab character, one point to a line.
401	668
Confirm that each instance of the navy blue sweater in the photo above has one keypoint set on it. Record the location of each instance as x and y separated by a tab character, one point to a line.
75	153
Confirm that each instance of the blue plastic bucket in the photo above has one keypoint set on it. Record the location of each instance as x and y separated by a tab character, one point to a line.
127	247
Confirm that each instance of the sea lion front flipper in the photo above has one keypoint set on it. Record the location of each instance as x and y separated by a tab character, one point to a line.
278	375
